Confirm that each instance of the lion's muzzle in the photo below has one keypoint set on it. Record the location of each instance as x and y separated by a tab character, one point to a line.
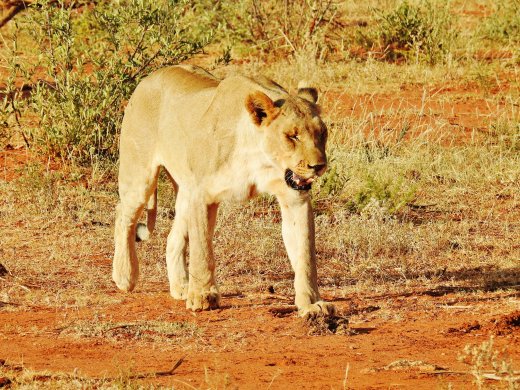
297	182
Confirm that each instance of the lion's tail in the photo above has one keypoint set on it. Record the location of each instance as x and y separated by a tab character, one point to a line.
144	231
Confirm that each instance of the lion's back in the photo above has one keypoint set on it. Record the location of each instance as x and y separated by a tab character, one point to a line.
181	79
166	87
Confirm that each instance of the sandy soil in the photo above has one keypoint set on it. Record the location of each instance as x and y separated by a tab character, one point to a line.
402	341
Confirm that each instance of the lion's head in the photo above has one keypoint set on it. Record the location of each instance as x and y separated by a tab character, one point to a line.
293	133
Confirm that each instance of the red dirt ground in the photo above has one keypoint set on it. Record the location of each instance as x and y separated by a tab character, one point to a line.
253	348
11	161
450	115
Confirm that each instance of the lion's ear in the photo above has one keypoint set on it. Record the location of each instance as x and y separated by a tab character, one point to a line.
306	92
261	108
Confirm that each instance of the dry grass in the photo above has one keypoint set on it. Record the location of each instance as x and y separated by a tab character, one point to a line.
465	204
443	140
20	377
148	331
462	216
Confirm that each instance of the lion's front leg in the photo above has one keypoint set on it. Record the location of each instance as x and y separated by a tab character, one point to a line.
202	289
298	237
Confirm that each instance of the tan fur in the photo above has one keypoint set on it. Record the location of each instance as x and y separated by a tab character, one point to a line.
217	140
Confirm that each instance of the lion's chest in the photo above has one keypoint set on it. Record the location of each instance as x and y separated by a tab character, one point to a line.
239	179
232	185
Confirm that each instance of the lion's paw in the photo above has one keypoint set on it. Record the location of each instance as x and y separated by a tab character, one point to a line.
203	300
320	308
125	283
179	291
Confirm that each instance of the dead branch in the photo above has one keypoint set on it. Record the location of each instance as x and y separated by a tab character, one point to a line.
16	6
159	373
3	303
11	13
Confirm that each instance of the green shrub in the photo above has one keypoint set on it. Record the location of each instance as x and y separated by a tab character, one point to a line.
7	114
390	195
295	26
422	32
332	182
228	20
273	27
505	135
12	104
504	25
89	62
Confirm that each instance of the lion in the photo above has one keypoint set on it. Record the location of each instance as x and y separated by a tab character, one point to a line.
217	139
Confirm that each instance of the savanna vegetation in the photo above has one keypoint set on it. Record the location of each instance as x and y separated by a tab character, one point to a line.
421	99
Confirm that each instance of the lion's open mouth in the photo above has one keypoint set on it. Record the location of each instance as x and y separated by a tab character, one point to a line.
297	182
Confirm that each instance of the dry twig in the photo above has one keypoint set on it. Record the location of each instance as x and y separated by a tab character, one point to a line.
159	373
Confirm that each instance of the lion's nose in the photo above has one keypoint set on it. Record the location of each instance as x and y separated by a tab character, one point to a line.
317	167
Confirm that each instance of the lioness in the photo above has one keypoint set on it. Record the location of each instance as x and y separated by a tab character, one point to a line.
218	139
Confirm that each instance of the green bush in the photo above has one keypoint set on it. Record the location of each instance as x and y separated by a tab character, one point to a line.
422	32
388	194
504	134
504	25
12	104
294	26
332	182
273	27
89	62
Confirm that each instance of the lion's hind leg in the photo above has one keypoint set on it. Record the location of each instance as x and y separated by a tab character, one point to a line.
134	195
176	249
203	293
145	230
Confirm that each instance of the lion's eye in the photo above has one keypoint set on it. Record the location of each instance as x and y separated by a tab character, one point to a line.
293	137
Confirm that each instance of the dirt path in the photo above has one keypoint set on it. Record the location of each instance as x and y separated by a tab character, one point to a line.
403	341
